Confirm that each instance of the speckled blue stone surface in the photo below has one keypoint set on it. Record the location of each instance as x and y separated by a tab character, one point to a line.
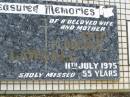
30	44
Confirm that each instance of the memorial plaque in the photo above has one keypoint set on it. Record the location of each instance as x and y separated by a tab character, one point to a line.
55	40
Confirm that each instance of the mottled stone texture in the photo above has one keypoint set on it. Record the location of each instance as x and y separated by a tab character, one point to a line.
22	35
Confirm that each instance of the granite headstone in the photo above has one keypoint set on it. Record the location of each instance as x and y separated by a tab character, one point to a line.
69	41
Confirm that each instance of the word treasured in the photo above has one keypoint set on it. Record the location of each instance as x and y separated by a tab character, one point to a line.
18	8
